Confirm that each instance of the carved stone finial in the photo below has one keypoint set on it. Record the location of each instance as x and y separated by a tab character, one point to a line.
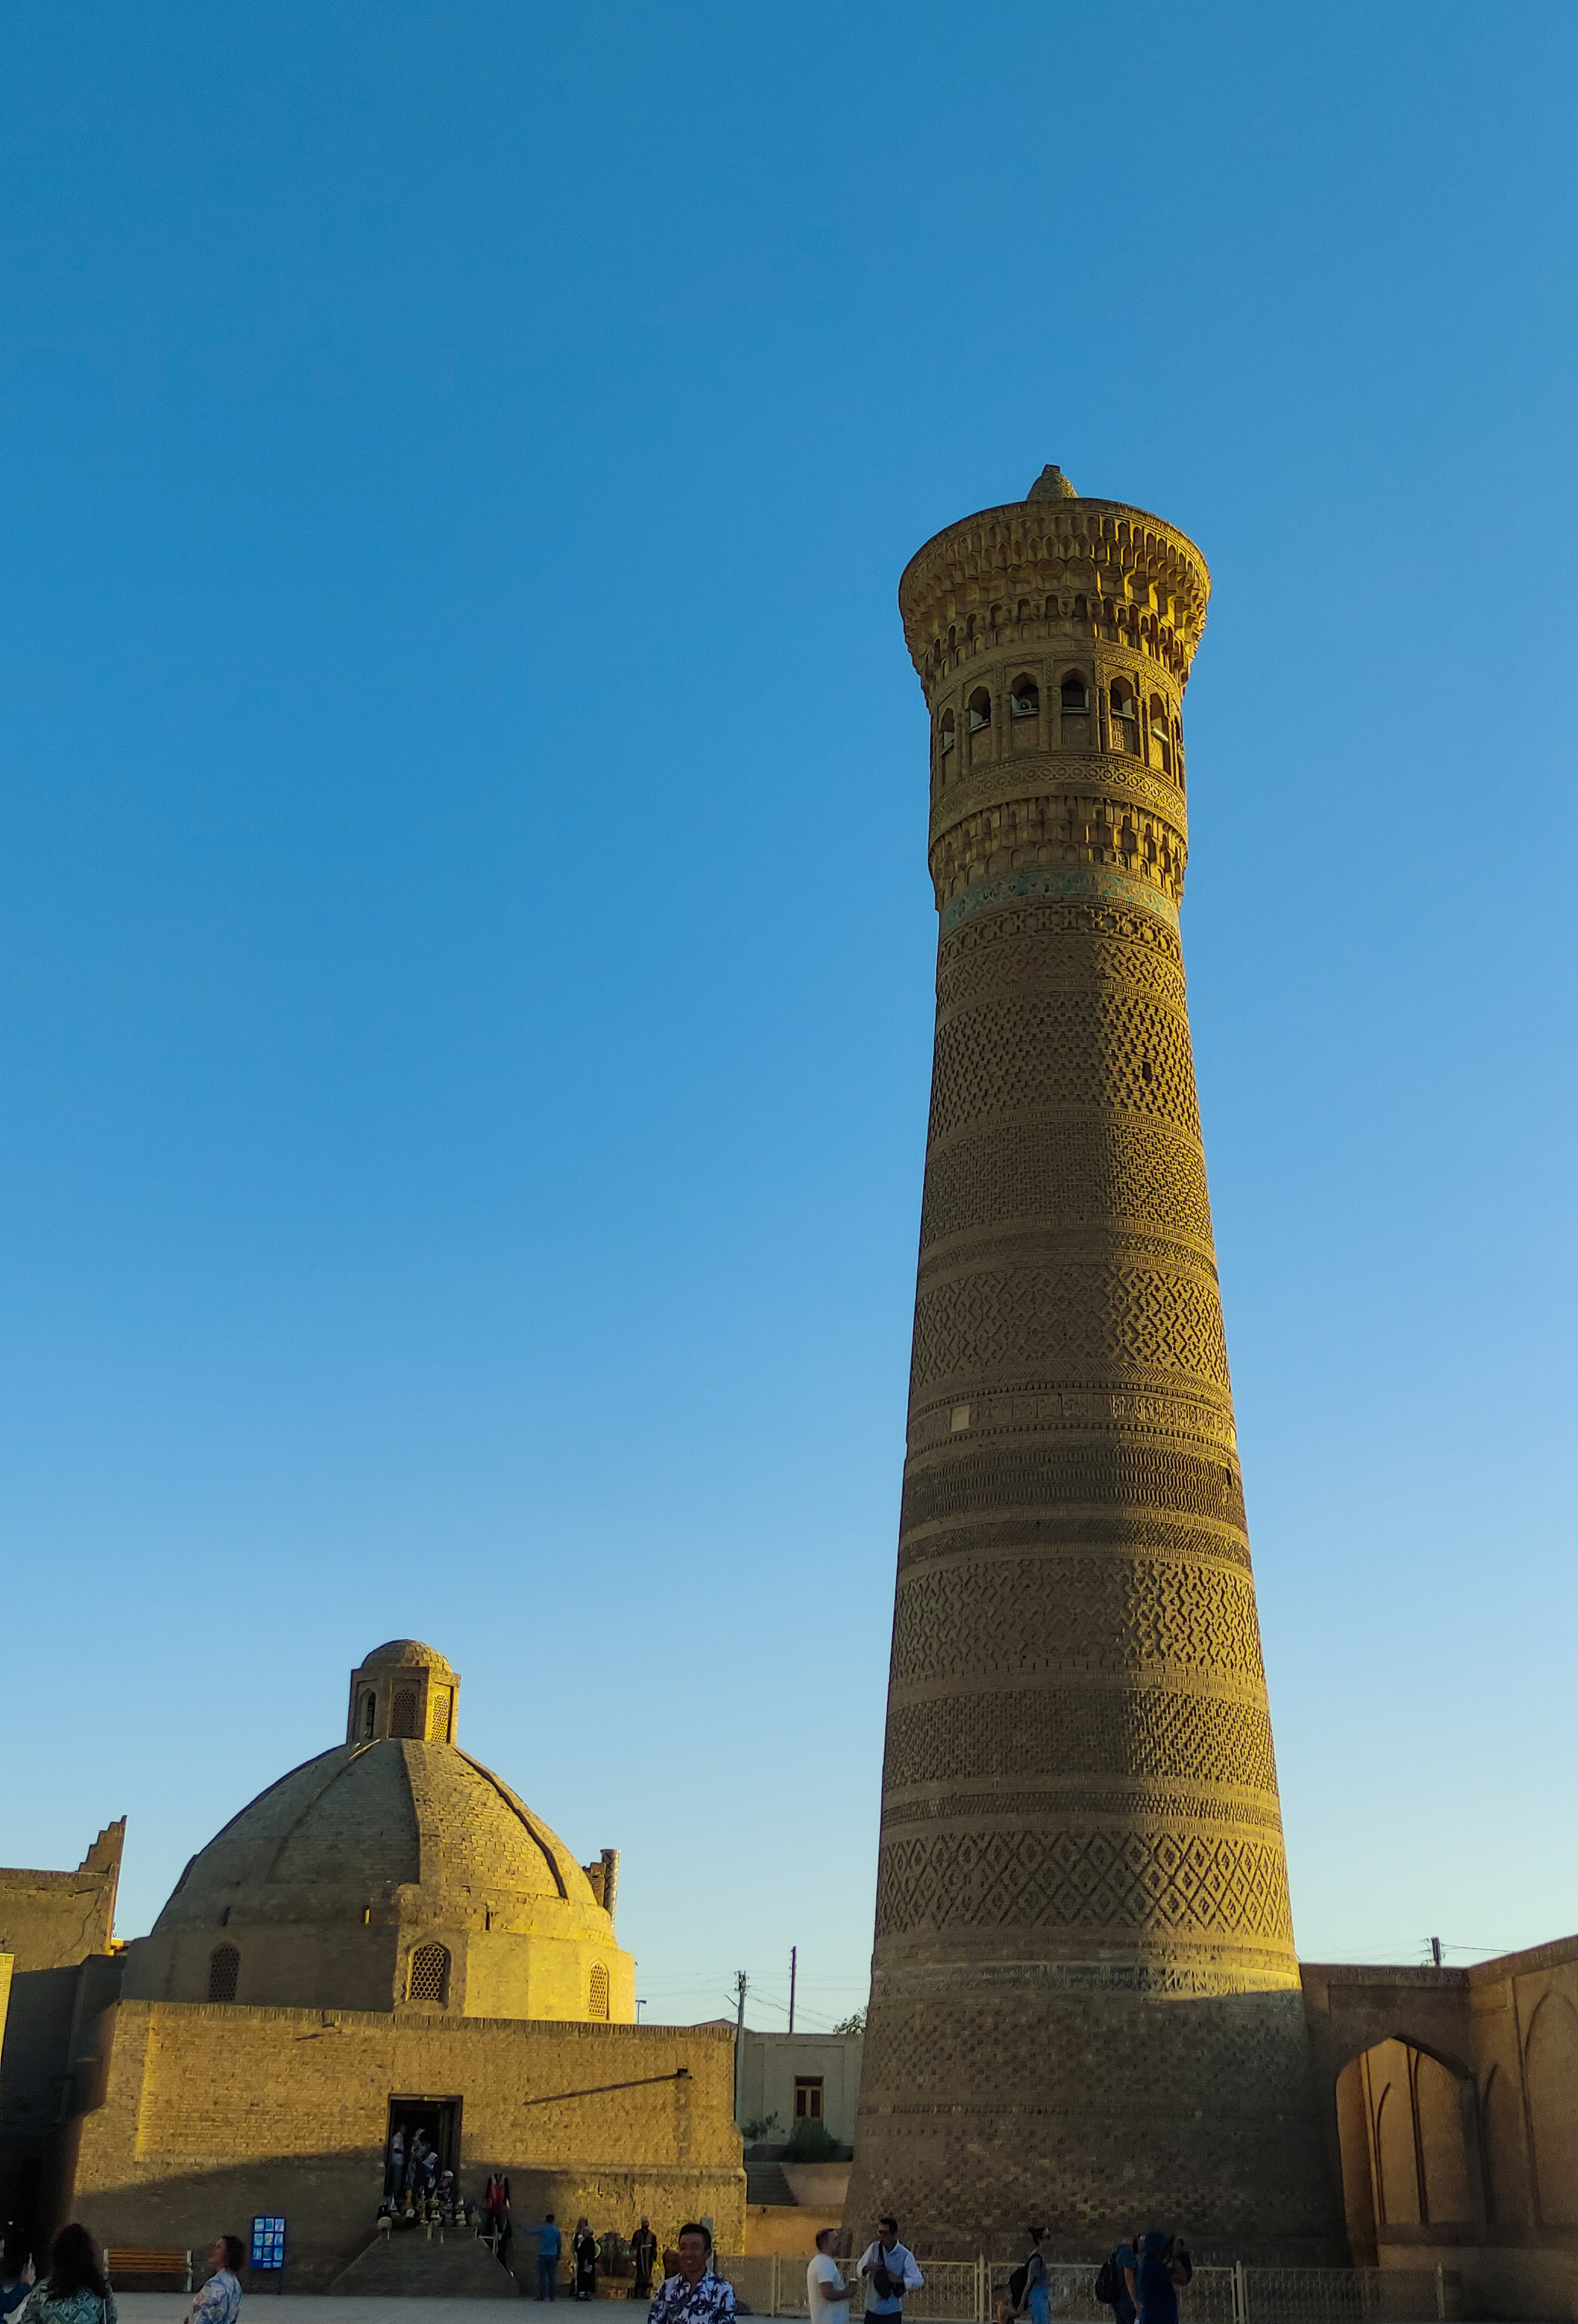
1052	484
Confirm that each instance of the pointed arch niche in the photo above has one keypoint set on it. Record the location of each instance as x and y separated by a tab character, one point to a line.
1550	2078
1408	2121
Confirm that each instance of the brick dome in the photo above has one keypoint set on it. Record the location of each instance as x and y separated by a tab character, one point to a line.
323	1889
372	1819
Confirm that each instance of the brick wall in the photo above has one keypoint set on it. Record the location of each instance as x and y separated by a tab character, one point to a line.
213	2114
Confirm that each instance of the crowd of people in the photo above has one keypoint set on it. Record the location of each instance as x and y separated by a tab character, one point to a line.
1140	2281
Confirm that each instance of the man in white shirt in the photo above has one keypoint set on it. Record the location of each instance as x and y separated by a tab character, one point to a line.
900	2272
826	2290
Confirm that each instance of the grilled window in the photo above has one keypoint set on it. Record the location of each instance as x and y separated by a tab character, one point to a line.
428	1980
224	1967
597	1992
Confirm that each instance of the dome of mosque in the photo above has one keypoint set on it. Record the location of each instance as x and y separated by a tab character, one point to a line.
405	1653
344	1883
372	1818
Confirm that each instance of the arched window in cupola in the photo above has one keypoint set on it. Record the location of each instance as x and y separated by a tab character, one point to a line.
428	1979
1125	716
1024	699
223	1969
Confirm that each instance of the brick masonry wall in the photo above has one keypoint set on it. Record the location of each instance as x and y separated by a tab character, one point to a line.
213	2114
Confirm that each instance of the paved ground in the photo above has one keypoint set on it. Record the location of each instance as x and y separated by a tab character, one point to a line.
315	2307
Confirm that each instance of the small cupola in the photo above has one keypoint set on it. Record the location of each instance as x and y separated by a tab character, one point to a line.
403	1692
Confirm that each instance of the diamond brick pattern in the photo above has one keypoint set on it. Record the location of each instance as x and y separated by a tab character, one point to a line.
1067	1173
1007	1320
1059	1048
1201	1884
1023	1617
1079	1731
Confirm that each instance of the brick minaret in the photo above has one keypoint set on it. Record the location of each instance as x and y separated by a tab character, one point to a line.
1086	2005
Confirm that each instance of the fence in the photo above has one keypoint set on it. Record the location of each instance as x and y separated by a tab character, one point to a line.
960	2291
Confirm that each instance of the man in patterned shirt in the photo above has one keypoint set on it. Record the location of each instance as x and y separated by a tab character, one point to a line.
696	2295
219	2301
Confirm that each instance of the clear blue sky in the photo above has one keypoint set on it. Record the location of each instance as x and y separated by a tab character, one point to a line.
465	953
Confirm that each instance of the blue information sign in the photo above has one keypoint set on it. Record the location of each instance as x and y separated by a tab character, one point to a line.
268	2243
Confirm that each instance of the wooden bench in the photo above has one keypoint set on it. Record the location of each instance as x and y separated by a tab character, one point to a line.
129	2265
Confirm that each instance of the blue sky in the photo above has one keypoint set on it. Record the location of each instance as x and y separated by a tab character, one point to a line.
465	947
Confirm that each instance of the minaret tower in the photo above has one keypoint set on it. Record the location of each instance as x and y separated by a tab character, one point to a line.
1086	2005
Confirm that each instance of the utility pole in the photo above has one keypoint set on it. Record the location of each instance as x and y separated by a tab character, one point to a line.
739	2036
794	1956
1435	1952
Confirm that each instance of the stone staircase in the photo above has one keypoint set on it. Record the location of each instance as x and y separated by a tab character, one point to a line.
406	2265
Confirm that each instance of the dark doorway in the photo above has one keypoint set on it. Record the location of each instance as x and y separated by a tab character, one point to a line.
427	2126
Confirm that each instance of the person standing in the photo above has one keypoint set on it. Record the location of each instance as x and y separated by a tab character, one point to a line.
890	2268
694	2294
549	2244
74	2292
643	2250
584	2252
1033	2299
220	2300
1164	2265
826	2293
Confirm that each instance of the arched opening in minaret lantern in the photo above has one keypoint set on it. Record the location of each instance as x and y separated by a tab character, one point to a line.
978	719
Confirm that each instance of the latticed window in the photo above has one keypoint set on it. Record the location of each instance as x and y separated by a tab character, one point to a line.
597	1995
403	1717
439	1717
224	1967
430	1974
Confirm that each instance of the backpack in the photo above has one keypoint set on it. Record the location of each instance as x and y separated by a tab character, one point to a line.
1016	2285
1109	2286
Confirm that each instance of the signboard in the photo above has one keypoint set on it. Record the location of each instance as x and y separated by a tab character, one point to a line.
268	2243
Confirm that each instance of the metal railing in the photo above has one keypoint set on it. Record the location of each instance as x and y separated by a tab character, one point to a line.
961	2292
